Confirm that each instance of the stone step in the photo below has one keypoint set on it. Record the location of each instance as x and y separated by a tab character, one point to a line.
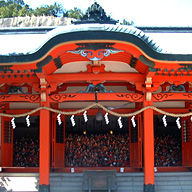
129	188
66	184
64	188
66	179
159	183
126	182
130	179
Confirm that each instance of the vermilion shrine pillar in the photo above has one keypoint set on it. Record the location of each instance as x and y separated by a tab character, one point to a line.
44	159
148	144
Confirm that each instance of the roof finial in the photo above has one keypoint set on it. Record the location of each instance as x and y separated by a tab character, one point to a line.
95	14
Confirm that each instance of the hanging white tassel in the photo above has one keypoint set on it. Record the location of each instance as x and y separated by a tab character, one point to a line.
164	121
106	118
72	120
13	122
28	121
133	121
59	118
85	116
119	122
178	123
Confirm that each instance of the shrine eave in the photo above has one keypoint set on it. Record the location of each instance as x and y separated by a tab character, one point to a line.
99	33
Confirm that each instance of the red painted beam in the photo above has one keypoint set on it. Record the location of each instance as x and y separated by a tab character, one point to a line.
31	98
130	97
101	77
172	96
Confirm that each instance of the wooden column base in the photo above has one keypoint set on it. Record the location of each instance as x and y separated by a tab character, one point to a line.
44	188
149	188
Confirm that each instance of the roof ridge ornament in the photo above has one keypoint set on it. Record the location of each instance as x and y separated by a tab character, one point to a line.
95	14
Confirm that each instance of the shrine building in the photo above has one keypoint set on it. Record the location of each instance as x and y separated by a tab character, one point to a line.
96	78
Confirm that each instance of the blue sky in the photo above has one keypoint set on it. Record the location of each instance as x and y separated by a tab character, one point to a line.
142	12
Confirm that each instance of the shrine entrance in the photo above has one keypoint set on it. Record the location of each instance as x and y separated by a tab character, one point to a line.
26	142
84	69
167	142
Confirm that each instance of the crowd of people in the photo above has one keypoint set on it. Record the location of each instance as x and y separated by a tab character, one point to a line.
167	151
26	152
98	150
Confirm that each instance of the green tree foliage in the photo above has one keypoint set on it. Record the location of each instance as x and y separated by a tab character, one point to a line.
125	22
14	8
74	13
25	10
49	10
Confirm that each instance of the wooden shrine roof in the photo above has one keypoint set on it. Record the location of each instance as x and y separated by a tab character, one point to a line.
98	32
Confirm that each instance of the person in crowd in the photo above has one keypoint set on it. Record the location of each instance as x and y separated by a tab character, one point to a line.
167	151
99	150
26	152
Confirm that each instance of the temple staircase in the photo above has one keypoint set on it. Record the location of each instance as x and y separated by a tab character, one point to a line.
126	182
173	182
73	182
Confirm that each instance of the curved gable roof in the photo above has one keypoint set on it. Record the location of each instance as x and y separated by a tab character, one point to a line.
86	32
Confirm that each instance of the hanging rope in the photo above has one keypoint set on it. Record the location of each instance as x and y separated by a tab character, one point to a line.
98	105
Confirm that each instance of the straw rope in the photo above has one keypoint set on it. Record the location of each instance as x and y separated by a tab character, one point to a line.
98	105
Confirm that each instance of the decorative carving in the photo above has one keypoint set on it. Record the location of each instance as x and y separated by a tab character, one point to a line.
93	88
162	96
172	96
61	97
132	96
178	88
31	98
95	14
20	98
189	95
95	55
3	97
15	90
